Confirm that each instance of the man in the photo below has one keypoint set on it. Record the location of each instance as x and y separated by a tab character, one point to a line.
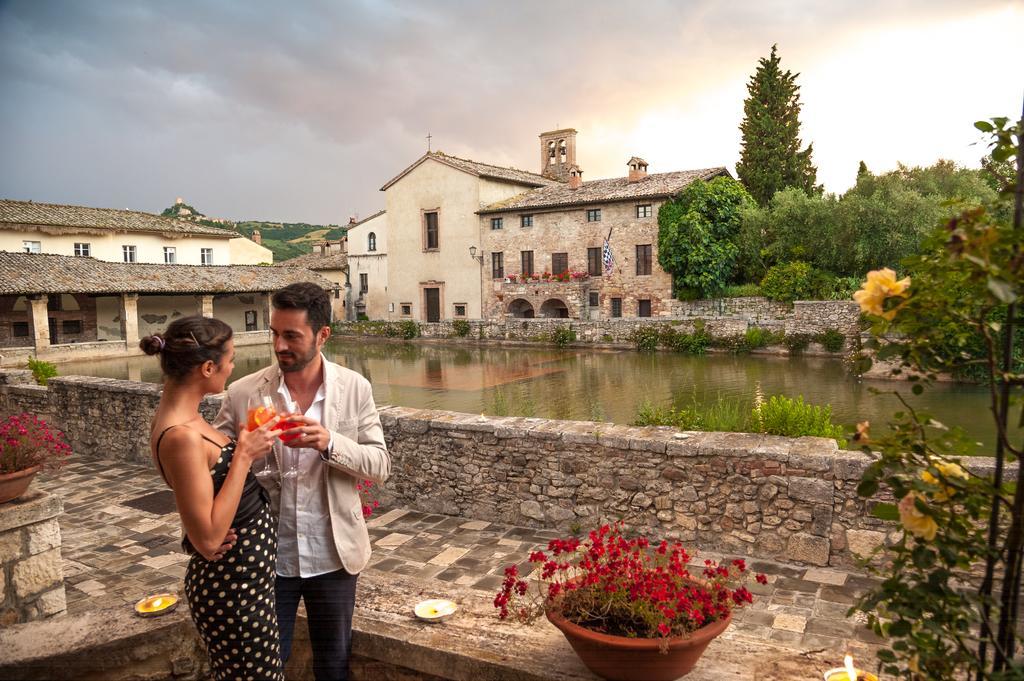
322	538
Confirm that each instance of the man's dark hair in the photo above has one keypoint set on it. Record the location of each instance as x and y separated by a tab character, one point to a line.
305	296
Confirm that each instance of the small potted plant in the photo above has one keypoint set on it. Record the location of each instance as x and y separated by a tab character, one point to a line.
27	446
630	608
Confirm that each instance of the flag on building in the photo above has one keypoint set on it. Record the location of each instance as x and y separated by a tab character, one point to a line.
606	256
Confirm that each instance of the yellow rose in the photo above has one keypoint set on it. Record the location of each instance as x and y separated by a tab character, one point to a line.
881	284
920	525
948	469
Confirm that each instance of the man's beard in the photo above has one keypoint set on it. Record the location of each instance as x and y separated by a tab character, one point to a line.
298	363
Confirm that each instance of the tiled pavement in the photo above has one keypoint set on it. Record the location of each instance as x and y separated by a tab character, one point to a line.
117	553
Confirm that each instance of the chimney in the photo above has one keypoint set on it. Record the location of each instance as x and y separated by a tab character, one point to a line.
637	169
352	219
257	237
323	247
178	201
557	153
575	177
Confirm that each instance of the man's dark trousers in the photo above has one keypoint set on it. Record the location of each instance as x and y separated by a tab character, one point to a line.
330	599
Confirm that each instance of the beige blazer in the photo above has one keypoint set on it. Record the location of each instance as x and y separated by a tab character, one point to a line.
359	452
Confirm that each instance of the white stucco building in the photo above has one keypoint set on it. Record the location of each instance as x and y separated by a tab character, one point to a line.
368	268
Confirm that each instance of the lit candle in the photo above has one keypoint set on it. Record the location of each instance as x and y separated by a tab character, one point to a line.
158	604
849	673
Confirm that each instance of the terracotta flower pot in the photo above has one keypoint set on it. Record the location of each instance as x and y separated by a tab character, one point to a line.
13	485
618	658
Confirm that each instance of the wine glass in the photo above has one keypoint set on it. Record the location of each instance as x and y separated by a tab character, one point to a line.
285	407
261	408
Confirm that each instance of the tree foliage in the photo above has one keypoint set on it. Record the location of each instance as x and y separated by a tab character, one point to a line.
697	233
770	157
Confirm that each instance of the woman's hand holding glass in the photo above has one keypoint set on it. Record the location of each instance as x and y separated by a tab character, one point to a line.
256	440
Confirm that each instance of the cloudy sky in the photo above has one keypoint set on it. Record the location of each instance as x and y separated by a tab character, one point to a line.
301	111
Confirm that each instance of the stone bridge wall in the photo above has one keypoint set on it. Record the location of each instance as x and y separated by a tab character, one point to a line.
759	495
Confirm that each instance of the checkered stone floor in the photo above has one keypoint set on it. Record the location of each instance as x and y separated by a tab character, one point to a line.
114	552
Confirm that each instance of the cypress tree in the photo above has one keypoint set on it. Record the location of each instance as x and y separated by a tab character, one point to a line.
770	158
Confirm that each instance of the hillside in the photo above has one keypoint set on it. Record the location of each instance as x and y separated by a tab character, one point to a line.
284	239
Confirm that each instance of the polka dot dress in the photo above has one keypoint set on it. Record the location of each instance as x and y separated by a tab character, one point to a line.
232	599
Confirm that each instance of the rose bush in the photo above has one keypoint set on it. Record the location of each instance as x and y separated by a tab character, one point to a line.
27	441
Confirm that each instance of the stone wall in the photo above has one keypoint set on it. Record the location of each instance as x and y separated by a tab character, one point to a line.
791	499
31	571
720	317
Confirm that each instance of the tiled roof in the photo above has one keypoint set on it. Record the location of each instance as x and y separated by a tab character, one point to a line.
104	219
28	273
315	261
479	169
659	185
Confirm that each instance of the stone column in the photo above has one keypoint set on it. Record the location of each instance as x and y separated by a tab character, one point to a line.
130	319
31	571
40	320
206	305
267	307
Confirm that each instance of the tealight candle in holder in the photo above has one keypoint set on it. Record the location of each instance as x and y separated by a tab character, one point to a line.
153	606
849	673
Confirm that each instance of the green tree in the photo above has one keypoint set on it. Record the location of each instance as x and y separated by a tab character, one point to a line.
862	169
770	158
698	231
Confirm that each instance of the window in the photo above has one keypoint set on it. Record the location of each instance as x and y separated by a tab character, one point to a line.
643	308
616	307
71	326
594	266
371	242
31	246
460	309
430	239
594	299
593	215
527	261
643	210
170	256
497	265
19	329
497	223
129	253
205	256
406	309
559	263
364	282
643	259
526	221
83	250
250	320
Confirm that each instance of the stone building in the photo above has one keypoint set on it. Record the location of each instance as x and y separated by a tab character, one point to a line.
128	236
368	266
329	259
432	214
52	304
543	250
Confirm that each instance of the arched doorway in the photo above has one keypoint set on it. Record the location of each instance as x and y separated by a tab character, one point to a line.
554	308
521	308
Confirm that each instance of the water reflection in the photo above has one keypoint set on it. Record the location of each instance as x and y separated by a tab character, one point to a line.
594	385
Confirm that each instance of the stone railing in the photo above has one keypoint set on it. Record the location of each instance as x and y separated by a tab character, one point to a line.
756	495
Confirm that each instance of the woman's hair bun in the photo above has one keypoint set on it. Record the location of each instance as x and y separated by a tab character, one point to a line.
151	345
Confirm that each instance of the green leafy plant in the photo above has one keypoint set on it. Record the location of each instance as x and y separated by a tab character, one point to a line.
832	340
563	335
41	370
27	441
695	343
948	601
781	415
645	338
788	282
741	291
797	342
408	329
461	328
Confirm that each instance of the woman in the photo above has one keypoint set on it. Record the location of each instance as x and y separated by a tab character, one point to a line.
224	511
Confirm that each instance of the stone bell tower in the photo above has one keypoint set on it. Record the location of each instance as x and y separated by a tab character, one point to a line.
557	153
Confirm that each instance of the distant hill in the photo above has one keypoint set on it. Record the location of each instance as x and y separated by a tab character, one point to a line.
284	239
